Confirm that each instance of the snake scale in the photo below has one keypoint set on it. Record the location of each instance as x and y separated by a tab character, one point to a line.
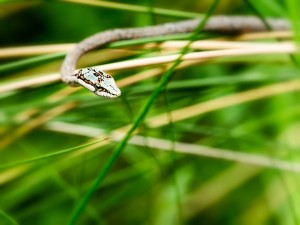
102	84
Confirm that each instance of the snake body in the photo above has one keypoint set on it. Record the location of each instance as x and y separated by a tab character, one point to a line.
104	85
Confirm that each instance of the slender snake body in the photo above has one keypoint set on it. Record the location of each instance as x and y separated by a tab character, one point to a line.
104	85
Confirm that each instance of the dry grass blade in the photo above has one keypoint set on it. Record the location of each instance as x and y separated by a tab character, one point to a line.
253	49
218	43
186	148
212	45
266	35
33	123
29	82
222	102
11	174
33	50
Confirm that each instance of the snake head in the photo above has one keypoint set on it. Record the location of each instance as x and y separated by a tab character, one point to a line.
98	82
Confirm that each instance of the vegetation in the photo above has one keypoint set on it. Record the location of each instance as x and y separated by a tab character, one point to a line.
211	140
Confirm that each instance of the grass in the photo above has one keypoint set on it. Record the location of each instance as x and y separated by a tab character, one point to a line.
211	140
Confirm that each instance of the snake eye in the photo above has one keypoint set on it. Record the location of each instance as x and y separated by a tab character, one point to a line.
98	82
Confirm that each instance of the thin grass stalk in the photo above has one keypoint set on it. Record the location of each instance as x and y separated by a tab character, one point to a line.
179	147
139	118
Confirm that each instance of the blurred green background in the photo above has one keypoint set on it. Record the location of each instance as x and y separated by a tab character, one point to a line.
251	179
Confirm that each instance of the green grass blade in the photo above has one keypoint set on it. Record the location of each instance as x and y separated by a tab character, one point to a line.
293	10
7	219
48	156
29	62
138	120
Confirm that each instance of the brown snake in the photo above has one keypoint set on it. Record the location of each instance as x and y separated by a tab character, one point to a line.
104	85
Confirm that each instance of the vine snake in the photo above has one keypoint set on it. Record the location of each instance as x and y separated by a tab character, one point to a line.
102	84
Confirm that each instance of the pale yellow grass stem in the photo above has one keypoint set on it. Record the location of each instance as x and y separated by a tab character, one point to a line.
210	45
185	148
279	48
213	44
265	35
223	102
34	50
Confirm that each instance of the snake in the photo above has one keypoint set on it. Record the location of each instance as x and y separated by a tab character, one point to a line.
104	85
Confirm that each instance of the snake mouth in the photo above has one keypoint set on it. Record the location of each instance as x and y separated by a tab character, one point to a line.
111	93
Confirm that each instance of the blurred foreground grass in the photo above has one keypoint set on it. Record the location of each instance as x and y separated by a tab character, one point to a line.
219	146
